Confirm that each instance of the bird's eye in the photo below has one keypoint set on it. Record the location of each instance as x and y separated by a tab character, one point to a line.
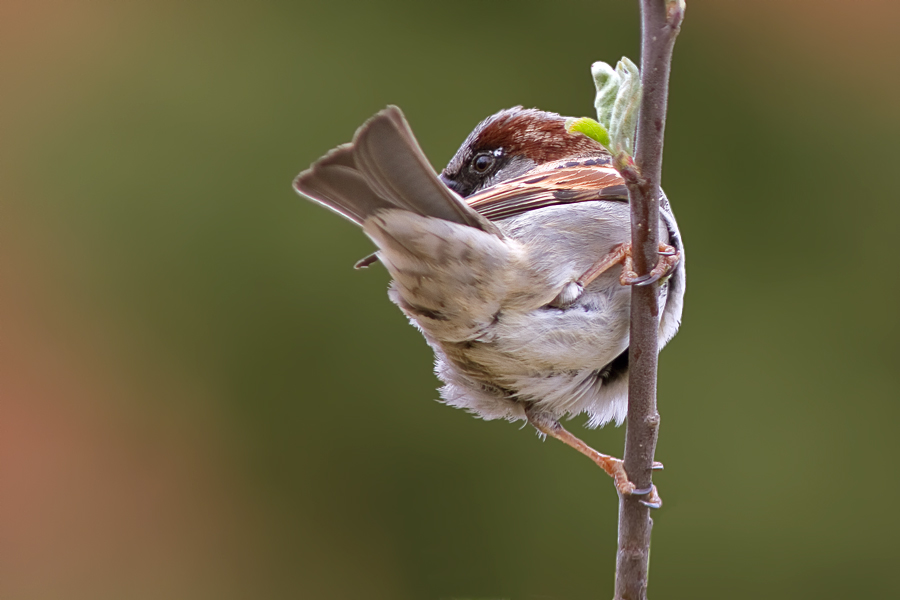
482	162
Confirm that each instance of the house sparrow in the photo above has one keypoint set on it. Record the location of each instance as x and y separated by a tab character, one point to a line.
503	262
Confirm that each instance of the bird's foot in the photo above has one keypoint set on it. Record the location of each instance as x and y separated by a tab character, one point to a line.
626	488
668	260
621	254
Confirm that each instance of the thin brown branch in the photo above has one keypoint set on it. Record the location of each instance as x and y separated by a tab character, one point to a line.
660	23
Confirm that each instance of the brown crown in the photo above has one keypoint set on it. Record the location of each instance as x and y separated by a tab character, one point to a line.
539	135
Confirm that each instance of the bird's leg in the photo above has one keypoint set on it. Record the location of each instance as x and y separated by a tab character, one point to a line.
613	466
621	254
617	255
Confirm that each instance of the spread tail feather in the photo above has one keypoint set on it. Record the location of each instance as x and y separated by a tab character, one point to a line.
383	168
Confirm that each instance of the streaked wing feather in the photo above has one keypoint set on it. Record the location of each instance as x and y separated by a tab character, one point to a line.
549	188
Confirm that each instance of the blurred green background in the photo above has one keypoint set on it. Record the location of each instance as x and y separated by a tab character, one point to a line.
199	398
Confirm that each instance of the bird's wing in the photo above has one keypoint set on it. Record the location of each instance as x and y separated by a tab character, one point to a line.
563	184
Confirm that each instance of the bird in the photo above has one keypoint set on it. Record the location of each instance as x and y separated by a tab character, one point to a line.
505	263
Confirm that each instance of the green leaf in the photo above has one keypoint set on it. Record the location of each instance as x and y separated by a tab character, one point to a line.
618	103
606	80
590	128
624	119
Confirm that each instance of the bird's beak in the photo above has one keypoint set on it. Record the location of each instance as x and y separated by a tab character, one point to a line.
449	183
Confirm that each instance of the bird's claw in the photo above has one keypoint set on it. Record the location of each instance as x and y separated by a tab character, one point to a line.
643	279
653	501
626	488
668	260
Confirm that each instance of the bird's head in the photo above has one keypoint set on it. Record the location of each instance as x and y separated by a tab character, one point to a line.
511	143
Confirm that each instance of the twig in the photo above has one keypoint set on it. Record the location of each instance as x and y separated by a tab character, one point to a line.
660	23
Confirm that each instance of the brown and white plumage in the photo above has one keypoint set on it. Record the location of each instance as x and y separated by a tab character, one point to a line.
483	258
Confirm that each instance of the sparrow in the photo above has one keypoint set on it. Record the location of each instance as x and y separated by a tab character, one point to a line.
505	263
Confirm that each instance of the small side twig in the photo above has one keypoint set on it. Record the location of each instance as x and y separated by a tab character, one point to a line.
660	23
